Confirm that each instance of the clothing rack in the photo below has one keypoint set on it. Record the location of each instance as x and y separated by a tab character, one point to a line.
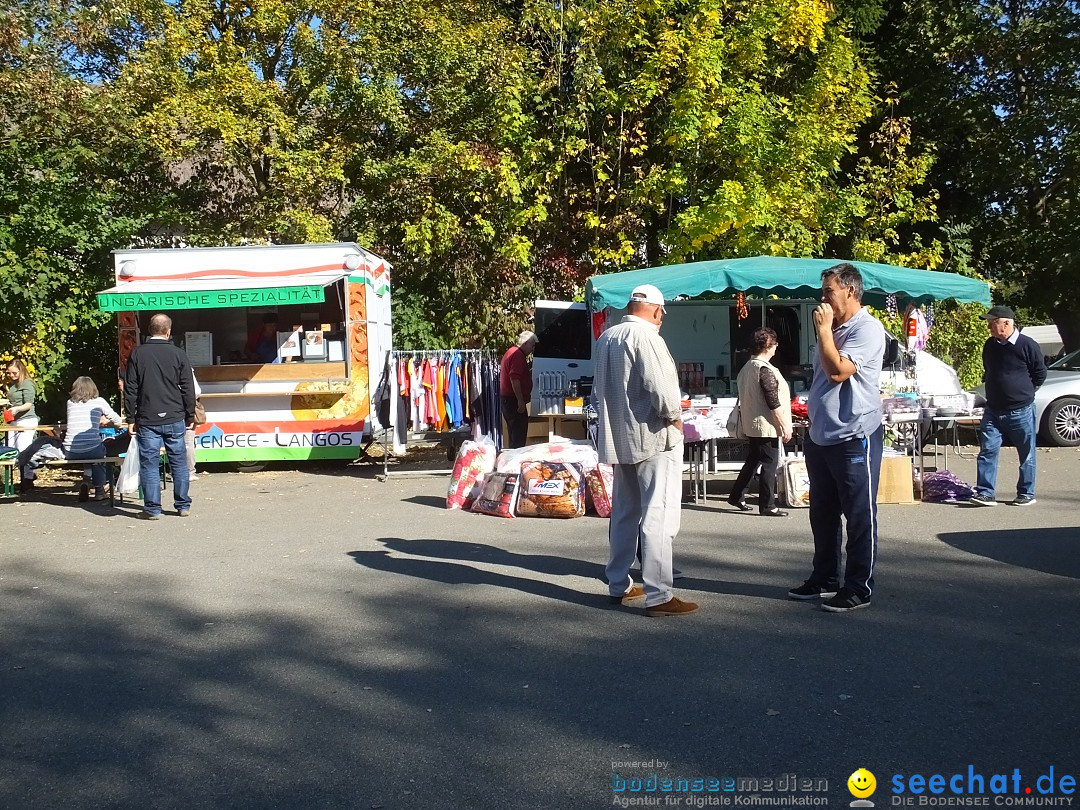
402	436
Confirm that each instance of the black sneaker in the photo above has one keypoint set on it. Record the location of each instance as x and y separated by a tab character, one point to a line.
1024	500
981	500
844	601
808	590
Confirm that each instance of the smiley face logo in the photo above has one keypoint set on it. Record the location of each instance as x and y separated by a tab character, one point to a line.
861	783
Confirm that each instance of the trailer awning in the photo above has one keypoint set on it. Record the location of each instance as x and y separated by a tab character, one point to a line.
783	277
153	294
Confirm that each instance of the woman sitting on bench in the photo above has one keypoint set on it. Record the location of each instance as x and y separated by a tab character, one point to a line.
82	439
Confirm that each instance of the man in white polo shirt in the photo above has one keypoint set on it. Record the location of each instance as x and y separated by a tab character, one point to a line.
843	449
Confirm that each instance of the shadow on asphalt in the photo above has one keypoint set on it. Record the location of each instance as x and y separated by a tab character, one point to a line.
461	572
1050	550
451	573
426	500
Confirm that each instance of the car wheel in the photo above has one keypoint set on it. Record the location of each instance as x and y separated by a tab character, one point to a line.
250	466
1063	422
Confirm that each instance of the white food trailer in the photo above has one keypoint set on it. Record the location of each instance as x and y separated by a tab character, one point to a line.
332	308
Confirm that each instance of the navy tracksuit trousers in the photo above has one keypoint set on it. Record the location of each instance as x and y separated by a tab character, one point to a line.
843	482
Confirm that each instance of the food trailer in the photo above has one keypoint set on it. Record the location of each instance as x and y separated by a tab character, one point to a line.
310	398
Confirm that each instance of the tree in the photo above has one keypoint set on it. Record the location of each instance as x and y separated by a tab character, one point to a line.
995	87
673	131
64	204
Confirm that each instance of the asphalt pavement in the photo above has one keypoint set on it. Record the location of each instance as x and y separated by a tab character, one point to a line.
318	638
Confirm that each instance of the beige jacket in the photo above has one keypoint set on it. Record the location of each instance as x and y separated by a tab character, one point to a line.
756	415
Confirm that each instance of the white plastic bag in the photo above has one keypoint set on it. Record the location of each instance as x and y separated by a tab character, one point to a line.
127	483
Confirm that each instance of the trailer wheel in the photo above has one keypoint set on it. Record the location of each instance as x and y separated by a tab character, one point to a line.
250	466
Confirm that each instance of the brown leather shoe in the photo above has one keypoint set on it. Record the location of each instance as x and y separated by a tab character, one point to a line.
672	607
636	592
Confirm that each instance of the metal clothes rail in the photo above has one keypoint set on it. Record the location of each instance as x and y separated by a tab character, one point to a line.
455	436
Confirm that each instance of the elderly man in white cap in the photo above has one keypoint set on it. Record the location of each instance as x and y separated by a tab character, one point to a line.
640	434
515	389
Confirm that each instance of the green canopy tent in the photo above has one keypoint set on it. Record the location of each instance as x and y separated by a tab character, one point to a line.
785	278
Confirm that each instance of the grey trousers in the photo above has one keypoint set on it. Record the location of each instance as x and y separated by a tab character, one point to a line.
646	500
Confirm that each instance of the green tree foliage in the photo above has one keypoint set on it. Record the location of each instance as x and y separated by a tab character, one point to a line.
66	199
995	86
494	152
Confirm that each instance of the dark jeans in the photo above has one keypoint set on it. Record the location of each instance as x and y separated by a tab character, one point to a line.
843	482
517	424
150	440
765	453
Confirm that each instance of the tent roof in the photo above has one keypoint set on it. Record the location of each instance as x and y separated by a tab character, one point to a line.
784	277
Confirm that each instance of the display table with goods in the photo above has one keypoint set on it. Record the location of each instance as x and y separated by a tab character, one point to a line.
709	446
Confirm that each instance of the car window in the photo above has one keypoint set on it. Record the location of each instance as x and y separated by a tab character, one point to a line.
1070	362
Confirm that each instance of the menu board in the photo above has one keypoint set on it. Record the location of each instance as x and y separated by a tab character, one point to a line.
289	343
199	347
314	344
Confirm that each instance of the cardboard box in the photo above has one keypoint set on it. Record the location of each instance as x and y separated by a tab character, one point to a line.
573	405
896	484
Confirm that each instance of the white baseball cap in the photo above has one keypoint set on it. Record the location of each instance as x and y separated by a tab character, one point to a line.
648	294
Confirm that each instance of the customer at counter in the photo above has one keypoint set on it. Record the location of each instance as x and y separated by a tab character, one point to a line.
159	397
262	345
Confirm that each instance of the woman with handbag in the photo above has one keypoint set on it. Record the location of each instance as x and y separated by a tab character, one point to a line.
764	415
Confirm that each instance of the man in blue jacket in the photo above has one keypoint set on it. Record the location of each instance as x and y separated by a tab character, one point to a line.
159	395
1013	369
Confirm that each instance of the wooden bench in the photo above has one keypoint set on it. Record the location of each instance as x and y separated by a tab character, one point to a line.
112	464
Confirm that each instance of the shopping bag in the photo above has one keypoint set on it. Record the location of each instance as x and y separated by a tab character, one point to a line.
127	483
498	495
474	461
793	483
734	422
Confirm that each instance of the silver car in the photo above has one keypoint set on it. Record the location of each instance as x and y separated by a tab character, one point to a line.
1057	402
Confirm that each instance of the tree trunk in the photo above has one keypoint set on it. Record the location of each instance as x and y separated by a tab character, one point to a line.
1067	320
653	252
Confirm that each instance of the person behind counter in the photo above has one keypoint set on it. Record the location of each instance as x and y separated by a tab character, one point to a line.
765	410
262	345
82	439
20	393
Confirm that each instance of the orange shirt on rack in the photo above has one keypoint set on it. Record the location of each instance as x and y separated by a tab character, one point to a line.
440	394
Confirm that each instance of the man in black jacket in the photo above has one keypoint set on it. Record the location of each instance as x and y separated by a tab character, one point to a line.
159	395
1013	369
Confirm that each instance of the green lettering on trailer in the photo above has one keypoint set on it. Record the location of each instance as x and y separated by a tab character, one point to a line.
210	299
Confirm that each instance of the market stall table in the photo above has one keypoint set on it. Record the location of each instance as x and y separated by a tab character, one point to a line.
8	465
952	425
